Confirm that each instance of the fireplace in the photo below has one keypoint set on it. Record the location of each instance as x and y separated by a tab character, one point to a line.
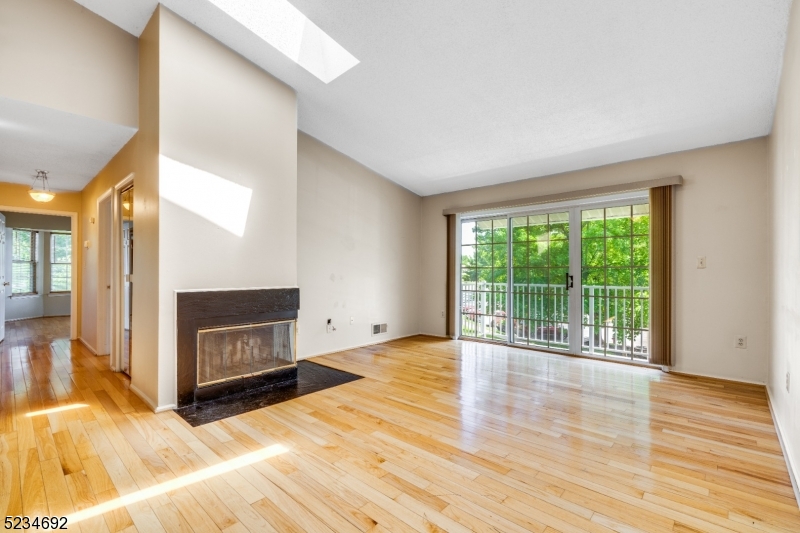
230	341
232	352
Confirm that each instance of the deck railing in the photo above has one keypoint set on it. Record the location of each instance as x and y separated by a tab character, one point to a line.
484	315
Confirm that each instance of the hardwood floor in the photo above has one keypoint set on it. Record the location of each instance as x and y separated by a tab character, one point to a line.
441	436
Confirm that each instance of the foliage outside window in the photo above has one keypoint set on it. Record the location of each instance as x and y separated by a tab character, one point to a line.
23	262
540	264
60	262
484	276
615	269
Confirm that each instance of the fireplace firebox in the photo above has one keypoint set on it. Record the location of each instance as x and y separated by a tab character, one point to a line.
232	352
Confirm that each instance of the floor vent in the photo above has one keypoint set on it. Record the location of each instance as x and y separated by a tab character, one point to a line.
377	329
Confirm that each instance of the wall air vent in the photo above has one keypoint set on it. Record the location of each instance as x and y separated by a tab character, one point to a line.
377	329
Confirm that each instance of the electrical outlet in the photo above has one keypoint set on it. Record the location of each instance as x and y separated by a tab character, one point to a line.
701	262
787	382
740	342
329	327
442	314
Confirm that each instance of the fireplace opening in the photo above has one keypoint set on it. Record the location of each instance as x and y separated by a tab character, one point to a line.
234	352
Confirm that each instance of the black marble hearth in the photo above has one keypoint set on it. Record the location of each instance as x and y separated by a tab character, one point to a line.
311	377
198	310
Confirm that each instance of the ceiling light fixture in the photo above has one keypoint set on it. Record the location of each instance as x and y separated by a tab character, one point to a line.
44	194
283	26
126	205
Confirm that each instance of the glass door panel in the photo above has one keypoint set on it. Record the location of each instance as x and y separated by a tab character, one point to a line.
615	281
517	286
540	268
484	278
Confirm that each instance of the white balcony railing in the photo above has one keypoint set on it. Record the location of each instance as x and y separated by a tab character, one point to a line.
607	334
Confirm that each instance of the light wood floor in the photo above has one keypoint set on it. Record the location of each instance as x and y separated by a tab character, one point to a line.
441	435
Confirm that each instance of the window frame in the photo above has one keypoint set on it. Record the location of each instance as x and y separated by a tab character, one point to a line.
33	262
53	234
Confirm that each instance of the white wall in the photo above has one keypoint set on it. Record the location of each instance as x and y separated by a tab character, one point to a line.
785	172
722	212
358	251
58	54
222	115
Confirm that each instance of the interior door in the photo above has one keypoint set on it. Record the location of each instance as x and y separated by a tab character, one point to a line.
3	282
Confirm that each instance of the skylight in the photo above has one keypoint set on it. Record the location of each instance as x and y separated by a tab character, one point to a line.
283	26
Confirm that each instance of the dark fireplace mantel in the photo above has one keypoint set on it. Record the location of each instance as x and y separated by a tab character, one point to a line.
204	309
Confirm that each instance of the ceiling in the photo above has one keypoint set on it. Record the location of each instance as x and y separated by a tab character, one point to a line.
451	94
74	147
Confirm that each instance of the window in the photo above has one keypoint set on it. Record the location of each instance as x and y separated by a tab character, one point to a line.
615	275
60	262
484	278
23	262
540	264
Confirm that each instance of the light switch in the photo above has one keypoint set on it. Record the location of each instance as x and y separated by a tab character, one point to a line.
701	262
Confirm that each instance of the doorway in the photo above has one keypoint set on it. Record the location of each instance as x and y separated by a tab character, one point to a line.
126	217
572	277
115	216
38	248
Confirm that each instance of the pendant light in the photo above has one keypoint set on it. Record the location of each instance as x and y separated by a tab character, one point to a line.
44	194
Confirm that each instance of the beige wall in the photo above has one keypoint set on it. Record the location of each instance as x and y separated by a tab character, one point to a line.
358	251
225	116
785	172
139	157
120	166
721	212
58	43
36	221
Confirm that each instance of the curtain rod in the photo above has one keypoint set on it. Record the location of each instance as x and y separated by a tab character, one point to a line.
572	195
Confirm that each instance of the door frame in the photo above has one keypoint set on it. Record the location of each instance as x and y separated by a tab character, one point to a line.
113	260
73	305
574	207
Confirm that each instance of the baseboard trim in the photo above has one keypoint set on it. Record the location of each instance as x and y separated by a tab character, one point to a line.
168	407
711	376
338	350
145	398
35	317
88	346
436	335
785	449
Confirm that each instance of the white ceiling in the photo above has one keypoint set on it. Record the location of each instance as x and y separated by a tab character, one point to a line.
451	94
72	147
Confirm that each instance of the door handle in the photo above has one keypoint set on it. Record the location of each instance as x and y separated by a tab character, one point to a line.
568	281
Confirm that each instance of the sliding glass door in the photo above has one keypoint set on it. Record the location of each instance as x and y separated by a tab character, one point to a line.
484	278
540	276
615	276
573	279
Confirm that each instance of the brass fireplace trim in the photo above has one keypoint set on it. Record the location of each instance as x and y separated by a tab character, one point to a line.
251	374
